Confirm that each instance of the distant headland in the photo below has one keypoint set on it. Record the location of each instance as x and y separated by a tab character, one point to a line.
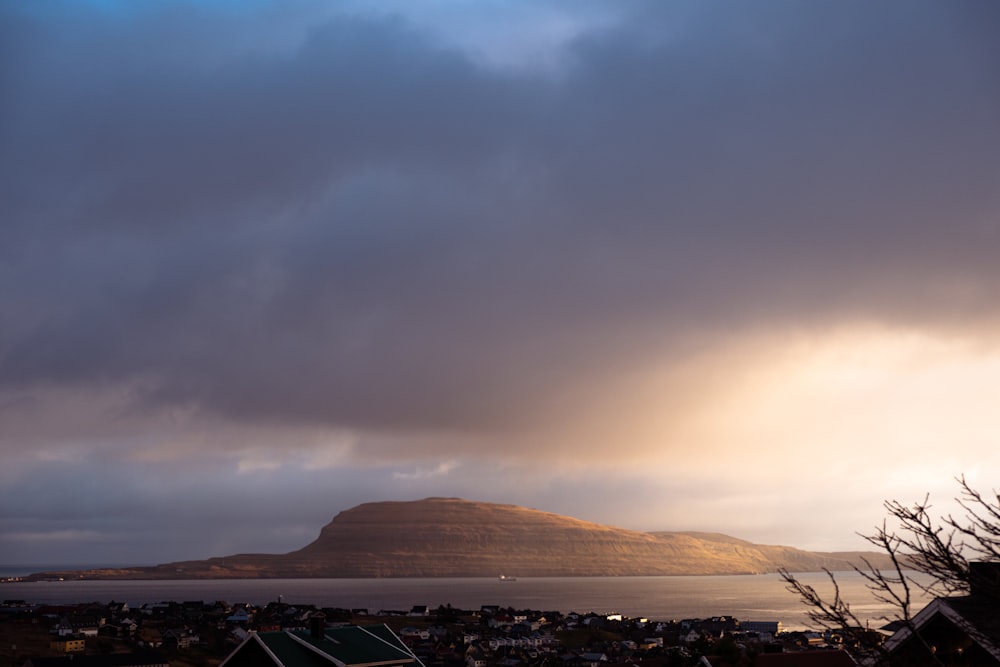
451	537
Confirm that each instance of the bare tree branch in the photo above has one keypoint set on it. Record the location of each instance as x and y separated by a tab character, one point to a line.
983	522
890	588
939	549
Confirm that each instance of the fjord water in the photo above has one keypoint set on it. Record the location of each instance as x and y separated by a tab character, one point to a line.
746	597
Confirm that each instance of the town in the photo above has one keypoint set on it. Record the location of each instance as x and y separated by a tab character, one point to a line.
208	634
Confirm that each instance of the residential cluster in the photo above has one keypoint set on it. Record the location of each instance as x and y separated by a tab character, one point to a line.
208	634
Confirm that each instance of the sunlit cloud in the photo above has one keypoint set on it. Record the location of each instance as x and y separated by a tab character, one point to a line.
55	536
258	461
339	449
886	392
440	470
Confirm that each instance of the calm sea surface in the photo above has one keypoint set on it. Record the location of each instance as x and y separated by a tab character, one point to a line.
747	597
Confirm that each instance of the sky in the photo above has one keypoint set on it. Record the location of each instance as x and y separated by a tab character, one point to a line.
691	265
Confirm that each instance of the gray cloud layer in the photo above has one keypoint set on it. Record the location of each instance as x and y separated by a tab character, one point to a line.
348	223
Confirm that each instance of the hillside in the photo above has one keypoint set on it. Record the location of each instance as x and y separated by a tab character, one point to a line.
450	537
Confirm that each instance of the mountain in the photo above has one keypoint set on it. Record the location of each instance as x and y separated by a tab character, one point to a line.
451	537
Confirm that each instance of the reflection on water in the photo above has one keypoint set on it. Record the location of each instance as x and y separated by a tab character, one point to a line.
747	597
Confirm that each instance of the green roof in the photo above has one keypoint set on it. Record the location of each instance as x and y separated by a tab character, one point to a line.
347	646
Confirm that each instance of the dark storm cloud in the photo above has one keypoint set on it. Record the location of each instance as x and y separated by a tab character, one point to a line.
164	512
371	230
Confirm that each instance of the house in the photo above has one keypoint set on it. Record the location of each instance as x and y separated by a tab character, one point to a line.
239	615
475	658
954	630
68	645
717	626
147	637
239	634
958	627
593	659
178	639
524	628
126	627
157	608
762	627
691	637
63	628
320	646
410	632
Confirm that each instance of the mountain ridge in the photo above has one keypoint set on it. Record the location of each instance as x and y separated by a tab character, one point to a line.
453	537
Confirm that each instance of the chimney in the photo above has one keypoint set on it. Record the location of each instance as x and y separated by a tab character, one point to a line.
317	625
984	579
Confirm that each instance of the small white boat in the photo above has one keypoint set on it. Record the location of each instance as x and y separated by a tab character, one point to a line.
504	577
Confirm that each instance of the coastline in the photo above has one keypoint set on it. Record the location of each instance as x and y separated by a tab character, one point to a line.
660	597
